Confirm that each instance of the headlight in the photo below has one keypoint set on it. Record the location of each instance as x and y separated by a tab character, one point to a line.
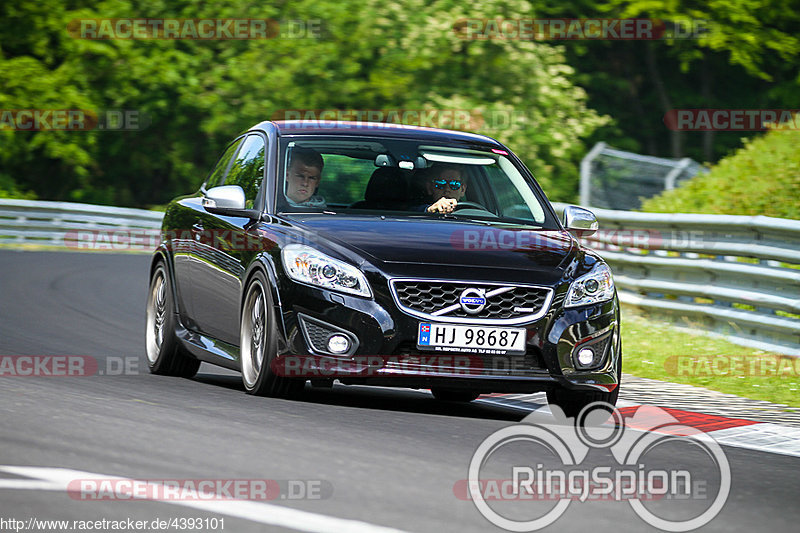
591	288
307	265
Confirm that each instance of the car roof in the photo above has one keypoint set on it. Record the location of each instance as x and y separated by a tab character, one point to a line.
372	129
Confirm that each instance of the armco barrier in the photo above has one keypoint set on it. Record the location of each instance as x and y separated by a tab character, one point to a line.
58	223
735	275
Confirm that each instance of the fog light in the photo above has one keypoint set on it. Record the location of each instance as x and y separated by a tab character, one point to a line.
338	344
586	356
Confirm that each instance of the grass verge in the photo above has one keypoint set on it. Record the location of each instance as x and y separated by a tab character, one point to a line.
658	350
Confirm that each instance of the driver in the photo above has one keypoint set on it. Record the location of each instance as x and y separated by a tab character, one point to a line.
446	186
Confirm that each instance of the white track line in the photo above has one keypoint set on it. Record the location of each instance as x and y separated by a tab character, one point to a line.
762	436
264	513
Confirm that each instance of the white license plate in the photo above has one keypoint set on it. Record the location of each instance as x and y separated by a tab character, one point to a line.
477	339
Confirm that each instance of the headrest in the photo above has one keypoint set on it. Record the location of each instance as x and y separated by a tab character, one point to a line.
386	184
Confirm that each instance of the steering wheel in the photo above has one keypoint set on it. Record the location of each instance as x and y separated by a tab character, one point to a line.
468	205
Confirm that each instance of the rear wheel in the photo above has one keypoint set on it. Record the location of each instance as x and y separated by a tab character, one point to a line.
165	355
447	395
258	340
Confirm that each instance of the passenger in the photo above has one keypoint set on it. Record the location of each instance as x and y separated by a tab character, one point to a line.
445	185
303	177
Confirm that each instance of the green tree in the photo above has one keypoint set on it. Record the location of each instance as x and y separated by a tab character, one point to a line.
747	58
198	94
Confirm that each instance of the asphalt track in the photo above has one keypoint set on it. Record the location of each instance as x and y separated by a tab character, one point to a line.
386	458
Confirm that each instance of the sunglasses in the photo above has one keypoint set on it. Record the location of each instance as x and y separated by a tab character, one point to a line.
454	184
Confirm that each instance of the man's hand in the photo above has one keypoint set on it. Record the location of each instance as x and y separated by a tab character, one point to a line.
443	205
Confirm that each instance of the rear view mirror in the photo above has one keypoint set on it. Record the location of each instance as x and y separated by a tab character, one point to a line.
385	160
579	221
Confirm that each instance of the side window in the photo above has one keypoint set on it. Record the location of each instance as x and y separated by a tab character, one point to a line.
247	169
514	196
217	176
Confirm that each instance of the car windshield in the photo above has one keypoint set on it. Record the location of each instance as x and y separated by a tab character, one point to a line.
404	178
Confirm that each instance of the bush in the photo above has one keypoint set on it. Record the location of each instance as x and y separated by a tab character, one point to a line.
10	189
761	178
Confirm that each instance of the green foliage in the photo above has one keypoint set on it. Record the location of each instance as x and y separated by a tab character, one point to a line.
744	56
762	178
9	189
549	101
198	94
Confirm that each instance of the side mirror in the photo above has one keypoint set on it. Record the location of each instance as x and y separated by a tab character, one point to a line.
228	200
579	221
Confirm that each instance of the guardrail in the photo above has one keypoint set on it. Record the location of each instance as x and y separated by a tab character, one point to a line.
60	224
737	276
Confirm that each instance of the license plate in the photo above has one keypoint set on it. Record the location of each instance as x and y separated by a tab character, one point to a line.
477	339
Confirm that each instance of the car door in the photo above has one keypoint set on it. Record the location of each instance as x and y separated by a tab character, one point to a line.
187	230
226	249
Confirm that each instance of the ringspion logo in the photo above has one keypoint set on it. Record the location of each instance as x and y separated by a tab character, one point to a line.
689	495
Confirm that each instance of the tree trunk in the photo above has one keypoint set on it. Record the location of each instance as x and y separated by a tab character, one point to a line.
675	137
705	92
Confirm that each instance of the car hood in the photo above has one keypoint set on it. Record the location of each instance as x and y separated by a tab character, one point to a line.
444	242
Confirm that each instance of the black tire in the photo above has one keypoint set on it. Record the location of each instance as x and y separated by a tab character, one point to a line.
572	402
447	395
259	344
165	355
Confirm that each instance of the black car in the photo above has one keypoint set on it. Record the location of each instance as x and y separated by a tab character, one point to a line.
387	255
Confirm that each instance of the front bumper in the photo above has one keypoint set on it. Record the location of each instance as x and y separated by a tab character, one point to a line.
386	352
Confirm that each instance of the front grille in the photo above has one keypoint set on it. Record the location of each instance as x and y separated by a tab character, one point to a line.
427	299
528	364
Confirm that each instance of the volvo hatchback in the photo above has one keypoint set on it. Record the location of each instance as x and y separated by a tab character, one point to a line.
377	254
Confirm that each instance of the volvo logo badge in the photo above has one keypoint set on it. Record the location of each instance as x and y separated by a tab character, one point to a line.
473	301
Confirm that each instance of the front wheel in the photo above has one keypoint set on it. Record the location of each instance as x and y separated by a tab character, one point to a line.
165	355
573	402
258	340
